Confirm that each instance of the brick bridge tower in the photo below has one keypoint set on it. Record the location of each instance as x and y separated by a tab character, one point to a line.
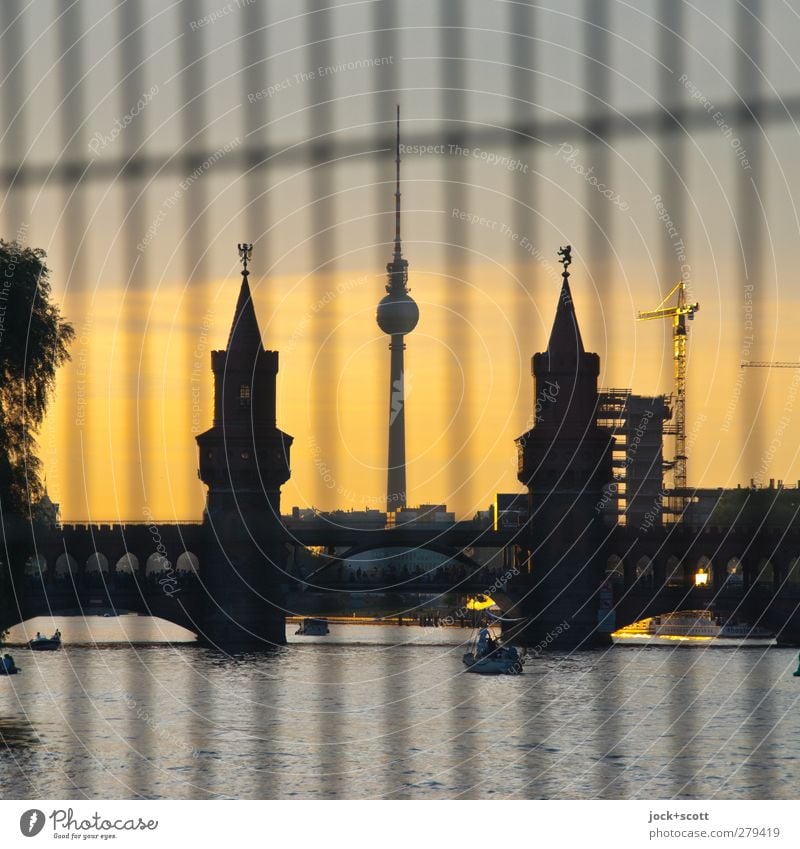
244	460
565	462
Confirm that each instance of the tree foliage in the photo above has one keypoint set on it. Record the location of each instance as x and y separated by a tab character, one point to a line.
34	342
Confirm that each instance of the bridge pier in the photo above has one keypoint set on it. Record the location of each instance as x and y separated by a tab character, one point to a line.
244	582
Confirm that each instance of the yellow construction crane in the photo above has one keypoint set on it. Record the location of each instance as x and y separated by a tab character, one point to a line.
678	313
760	364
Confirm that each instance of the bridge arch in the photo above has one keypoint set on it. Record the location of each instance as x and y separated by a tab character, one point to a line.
96	563
615	568
156	563
703	573
66	565
189	563
36	566
765	574
643	569
450	555
673	572
128	564
734	572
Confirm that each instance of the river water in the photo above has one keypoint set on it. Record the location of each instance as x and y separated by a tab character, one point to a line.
386	712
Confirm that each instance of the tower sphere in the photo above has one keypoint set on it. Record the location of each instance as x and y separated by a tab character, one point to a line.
398	313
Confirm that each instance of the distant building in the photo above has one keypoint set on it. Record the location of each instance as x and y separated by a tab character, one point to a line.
308	516
425	516
510	510
637	496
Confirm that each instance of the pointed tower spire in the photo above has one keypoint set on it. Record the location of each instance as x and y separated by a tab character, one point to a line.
245	334
565	337
398	267
397	248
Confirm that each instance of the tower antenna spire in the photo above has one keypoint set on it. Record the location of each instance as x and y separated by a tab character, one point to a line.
397	248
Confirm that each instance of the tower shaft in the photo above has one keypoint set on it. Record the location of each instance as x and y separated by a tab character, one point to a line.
396	467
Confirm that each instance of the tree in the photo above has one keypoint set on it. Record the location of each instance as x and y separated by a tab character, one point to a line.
34	342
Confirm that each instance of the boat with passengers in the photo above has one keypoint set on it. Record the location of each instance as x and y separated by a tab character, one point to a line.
487	655
40	643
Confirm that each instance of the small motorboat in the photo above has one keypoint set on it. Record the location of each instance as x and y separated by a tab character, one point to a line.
313	628
487	656
40	643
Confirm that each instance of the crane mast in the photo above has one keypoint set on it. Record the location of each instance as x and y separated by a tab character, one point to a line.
678	313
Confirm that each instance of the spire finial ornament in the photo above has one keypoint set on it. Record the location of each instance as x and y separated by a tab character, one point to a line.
566	259
245	254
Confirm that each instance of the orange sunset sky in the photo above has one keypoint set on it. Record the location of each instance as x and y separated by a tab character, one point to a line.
145	266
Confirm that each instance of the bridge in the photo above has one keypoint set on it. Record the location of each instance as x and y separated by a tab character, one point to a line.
157	570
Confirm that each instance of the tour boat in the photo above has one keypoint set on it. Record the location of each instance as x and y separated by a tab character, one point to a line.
701	627
45	643
313	628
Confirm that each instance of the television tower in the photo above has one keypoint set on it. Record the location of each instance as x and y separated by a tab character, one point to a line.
397	315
